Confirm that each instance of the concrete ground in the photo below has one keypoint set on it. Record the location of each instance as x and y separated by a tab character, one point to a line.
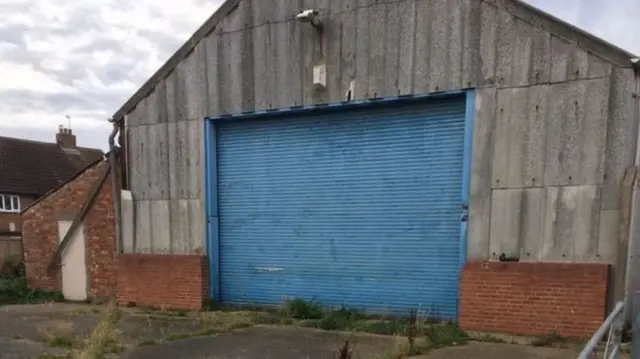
295	343
39	330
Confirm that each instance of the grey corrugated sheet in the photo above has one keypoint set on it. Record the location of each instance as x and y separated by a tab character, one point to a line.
551	113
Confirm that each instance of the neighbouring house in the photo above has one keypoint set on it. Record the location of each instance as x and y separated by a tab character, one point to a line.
30	169
474	159
69	236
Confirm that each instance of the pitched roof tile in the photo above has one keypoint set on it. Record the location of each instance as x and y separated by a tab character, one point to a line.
34	168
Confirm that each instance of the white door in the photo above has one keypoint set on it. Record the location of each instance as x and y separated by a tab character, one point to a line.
74	270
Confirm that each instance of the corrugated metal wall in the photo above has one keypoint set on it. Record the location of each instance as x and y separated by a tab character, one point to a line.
553	130
359	208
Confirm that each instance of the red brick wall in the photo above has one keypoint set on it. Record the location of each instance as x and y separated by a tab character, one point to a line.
40	234
163	281
7	218
100	233
533	298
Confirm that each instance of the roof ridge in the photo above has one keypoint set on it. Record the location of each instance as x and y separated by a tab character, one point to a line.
49	143
27	140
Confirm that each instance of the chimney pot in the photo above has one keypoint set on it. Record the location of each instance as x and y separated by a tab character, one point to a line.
65	138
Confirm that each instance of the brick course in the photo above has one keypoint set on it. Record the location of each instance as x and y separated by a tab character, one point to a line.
533	298
163	281
40	234
7	218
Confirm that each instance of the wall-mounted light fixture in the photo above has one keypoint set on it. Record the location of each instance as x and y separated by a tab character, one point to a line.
635	62
311	16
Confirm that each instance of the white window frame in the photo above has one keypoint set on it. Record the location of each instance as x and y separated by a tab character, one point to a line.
8	201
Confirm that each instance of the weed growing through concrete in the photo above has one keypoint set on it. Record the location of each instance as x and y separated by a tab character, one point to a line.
202	333
346	349
416	335
103	337
445	335
58	334
488	338
550	340
300	309
60	342
226	321
148	342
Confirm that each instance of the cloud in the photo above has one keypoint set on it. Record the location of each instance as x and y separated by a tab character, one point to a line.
613	21
85	58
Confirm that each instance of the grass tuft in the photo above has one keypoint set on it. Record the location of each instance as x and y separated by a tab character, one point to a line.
148	342
300	309
60	342
103	338
445	335
202	333
488	338
549	340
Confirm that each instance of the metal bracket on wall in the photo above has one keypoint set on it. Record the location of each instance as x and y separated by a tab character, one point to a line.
464	217
79	217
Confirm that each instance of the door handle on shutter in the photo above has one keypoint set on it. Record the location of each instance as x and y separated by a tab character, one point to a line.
464	217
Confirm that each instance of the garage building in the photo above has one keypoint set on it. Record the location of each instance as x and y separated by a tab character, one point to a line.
460	157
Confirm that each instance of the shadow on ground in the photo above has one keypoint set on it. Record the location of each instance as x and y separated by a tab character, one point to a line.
55	329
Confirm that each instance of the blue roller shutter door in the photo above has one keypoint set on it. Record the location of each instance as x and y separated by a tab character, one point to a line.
359	208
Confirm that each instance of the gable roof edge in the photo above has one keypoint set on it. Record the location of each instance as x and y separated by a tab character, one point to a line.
556	26
225	9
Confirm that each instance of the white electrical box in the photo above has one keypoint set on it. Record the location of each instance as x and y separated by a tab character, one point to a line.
320	76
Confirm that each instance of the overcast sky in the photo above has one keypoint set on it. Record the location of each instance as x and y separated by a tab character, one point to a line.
85	58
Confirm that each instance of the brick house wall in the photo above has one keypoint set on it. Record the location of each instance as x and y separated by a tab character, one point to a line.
5	222
10	228
526	298
11	223
40	234
7	218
